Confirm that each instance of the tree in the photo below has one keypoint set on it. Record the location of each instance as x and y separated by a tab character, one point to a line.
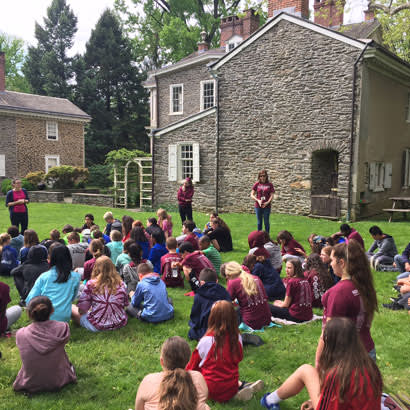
48	67
109	89
15	57
169	30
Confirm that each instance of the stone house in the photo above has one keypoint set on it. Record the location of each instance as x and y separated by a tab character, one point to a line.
323	107
38	132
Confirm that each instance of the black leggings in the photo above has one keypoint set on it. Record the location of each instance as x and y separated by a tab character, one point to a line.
185	212
283	313
19	219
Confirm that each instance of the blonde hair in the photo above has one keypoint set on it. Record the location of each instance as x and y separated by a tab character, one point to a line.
105	276
108	215
4	237
234	270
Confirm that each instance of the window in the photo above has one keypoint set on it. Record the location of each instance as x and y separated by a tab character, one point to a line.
233	42
52	161
183	161
2	165
231	46
176	99
380	176
52	130
207	94
153	106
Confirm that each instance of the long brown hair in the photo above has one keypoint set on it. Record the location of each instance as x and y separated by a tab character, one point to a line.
297	268
30	238
358	267
344	357
105	276
222	322
96	248
220	222
313	262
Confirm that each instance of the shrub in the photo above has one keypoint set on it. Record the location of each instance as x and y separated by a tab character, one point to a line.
6	185
36	177
66	176
27	185
100	176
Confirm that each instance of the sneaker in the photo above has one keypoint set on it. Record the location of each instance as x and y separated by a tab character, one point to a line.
395	299
22	303
244	394
393	306
268	406
255	386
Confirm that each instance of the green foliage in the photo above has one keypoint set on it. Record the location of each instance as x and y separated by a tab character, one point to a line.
36	177
121	156
100	176
14	48
66	176
6	185
48	67
27	185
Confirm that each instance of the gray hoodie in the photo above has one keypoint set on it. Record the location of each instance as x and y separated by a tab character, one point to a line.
385	246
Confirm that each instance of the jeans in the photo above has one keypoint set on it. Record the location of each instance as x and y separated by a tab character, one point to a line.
379	260
399	260
84	322
263	213
19	219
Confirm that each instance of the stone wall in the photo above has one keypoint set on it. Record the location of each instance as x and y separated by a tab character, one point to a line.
8	144
93	199
46	196
33	145
283	97
191	79
204	132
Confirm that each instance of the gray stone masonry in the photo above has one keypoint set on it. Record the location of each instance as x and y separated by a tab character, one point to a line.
8	145
191	79
283	97
204	132
93	199
46	196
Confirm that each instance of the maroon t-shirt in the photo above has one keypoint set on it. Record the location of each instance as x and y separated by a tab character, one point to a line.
197	261
192	238
263	192
301	305
343	300
171	276
316	288
21	208
4	301
254	309
290	248
356	236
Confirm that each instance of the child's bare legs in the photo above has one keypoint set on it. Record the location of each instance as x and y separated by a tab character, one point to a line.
75	315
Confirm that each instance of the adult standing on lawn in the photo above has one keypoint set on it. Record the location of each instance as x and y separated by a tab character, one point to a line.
262	193
185	194
17	200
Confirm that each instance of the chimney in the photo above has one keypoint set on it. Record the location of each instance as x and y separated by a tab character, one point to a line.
329	13
299	8
2	71
203	45
368	15
242	27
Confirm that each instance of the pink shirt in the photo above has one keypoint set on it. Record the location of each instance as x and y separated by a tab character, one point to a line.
17	195
166	226
263	192
301	306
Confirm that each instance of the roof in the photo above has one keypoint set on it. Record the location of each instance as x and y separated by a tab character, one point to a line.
360	30
40	105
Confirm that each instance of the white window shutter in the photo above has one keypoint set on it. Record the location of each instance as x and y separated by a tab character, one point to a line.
388	168
196	163
172	162
2	165
372	176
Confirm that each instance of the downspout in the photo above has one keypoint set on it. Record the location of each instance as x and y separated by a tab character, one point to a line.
215	77
349	188
152	142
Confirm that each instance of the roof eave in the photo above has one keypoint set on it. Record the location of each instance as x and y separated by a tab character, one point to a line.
38	113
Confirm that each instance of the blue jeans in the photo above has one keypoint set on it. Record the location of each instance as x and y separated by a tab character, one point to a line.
263	213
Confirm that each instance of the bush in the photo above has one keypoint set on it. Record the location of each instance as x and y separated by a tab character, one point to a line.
35	178
6	185
27	185
66	176
100	176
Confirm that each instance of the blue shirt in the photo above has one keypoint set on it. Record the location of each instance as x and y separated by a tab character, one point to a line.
157	251
115	248
61	294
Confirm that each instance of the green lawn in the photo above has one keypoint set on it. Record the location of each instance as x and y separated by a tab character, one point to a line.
111	365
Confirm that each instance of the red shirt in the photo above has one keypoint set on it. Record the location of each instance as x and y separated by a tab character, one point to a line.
221	373
192	239
301	305
343	300
263	192
197	261
17	195
171	276
356	236
316	288
290	248
185	197
365	399
254	309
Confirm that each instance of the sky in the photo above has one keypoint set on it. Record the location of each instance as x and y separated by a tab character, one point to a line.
17	17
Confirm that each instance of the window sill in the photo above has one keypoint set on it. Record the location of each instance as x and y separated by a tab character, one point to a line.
378	189
176	113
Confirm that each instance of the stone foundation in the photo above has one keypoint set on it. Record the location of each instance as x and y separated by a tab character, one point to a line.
93	199
46	196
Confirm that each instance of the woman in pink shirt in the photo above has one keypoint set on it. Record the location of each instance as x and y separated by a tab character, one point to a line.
17	200
185	194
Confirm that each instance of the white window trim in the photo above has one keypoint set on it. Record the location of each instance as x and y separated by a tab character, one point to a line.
47	157
406	179
408	109
171	87
175	161
2	165
153	106
52	139
202	93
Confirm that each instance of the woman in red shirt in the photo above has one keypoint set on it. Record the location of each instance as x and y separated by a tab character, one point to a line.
346	378
16	201
185	194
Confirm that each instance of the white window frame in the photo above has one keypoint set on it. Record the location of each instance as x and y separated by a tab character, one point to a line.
171	101
408	108
49	135
175	160
153	107
48	157
203	83
233	42
2	165
380	176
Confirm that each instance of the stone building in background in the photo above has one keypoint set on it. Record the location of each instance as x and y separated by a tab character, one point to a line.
323	107
38	132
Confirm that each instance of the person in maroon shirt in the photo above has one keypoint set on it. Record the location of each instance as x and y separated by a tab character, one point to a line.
290	248
349	233
17	200
171	273
262	193
188	227
7	316
185	194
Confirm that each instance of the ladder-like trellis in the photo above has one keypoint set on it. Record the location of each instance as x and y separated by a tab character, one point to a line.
121	176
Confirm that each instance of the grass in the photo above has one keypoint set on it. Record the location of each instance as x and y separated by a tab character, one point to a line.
111	365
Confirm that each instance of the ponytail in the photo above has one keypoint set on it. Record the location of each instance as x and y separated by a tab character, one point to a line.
234	270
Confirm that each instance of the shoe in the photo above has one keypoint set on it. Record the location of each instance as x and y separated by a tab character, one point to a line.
393	306
22	303
245	393
256	386
268	406
397	288
250	339
395	300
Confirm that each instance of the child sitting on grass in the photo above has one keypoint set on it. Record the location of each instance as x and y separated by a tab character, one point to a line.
45	365
210	252
150	300
173	387
129	272
218	354
116	245
102	302
123	258
8	255
157	251
209	292
171	272
17	239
